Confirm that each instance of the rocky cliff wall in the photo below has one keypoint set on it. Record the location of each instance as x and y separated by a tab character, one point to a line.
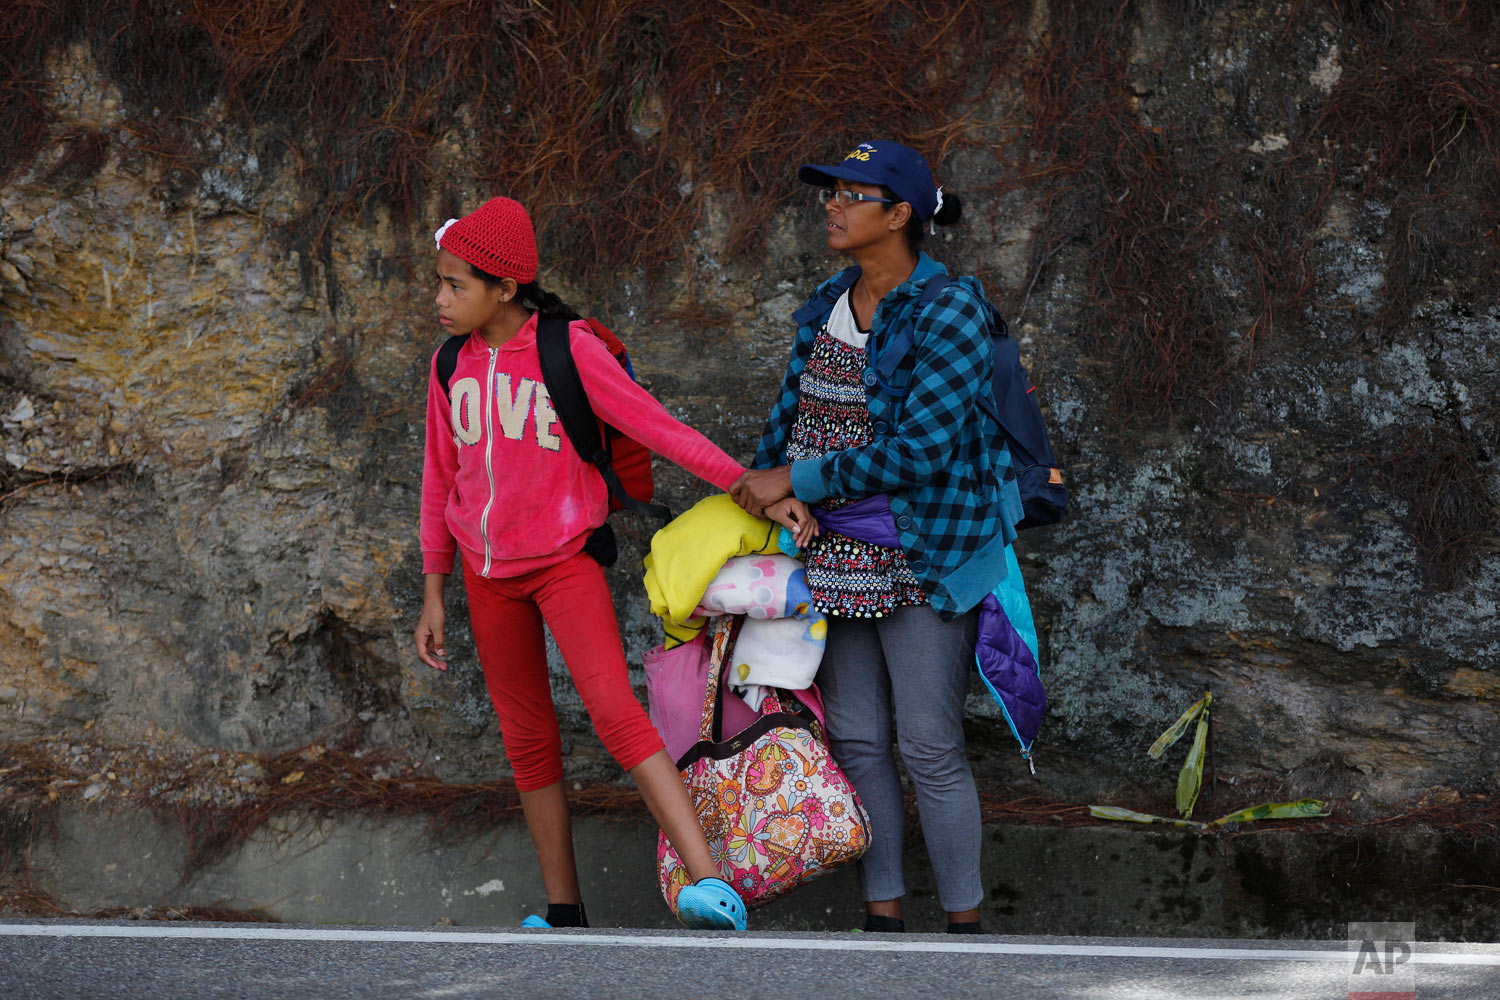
1248	249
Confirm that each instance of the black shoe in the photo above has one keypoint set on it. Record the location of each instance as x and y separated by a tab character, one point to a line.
884	925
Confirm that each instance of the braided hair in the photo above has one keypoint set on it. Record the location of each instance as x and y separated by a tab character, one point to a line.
547	305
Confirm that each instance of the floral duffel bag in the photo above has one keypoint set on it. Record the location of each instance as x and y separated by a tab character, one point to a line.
776	809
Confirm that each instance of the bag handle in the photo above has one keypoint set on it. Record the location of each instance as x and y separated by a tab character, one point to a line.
711	725
720	643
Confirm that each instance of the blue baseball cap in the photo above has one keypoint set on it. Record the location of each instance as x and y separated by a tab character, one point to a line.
898	167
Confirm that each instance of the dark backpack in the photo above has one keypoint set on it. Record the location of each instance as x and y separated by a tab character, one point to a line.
623	462
1012	402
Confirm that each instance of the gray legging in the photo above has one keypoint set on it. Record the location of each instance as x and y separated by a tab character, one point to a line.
919	663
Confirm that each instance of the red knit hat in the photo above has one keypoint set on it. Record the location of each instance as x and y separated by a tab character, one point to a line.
497	238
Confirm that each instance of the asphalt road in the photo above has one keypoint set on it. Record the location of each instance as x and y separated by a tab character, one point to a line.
88	959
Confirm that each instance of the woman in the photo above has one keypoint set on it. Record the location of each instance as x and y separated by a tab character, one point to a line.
880	404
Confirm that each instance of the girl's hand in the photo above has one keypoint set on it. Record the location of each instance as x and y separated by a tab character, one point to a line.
429	635
797	517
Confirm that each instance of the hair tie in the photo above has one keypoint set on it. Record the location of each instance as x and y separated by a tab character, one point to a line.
932	223
438	236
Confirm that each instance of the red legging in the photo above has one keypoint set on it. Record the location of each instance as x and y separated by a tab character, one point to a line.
574	600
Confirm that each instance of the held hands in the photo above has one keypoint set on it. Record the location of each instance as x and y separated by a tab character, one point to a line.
768	493
757	489
796	517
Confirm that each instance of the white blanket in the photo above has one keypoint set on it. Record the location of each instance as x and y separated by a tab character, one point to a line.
781	642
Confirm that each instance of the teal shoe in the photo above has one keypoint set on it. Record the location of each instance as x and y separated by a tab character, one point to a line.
534	921
711	905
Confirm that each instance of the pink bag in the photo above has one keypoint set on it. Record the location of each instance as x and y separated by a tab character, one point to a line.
675	682
776	809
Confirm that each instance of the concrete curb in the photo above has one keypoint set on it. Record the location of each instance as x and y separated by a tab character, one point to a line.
1038	879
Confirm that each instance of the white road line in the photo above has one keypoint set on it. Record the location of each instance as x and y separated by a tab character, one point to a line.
215	933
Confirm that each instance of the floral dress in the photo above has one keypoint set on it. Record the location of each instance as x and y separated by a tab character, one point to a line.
847	577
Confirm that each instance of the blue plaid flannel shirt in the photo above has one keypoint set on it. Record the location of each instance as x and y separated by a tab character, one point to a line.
935	452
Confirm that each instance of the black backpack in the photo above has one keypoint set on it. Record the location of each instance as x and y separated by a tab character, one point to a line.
594	440
1012	402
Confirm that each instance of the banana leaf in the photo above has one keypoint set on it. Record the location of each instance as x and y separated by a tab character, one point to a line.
1190	778
1301	809
1131	816
1174	733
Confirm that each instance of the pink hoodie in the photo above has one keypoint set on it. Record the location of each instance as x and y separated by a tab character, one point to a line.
500	480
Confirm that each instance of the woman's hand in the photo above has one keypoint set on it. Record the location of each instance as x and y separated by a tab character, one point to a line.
429	634
797	517
757	489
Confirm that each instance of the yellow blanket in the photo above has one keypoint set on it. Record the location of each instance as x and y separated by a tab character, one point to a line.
686	555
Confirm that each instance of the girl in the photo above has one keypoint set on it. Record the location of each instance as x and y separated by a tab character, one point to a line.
879	403
504	488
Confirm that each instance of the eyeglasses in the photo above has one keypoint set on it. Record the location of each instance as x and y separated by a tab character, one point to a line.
846	197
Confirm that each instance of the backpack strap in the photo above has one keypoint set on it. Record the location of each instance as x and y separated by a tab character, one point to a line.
571	404
824	302
447	359
900	343
932	289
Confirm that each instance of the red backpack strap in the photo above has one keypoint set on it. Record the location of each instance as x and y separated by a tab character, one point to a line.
615	344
